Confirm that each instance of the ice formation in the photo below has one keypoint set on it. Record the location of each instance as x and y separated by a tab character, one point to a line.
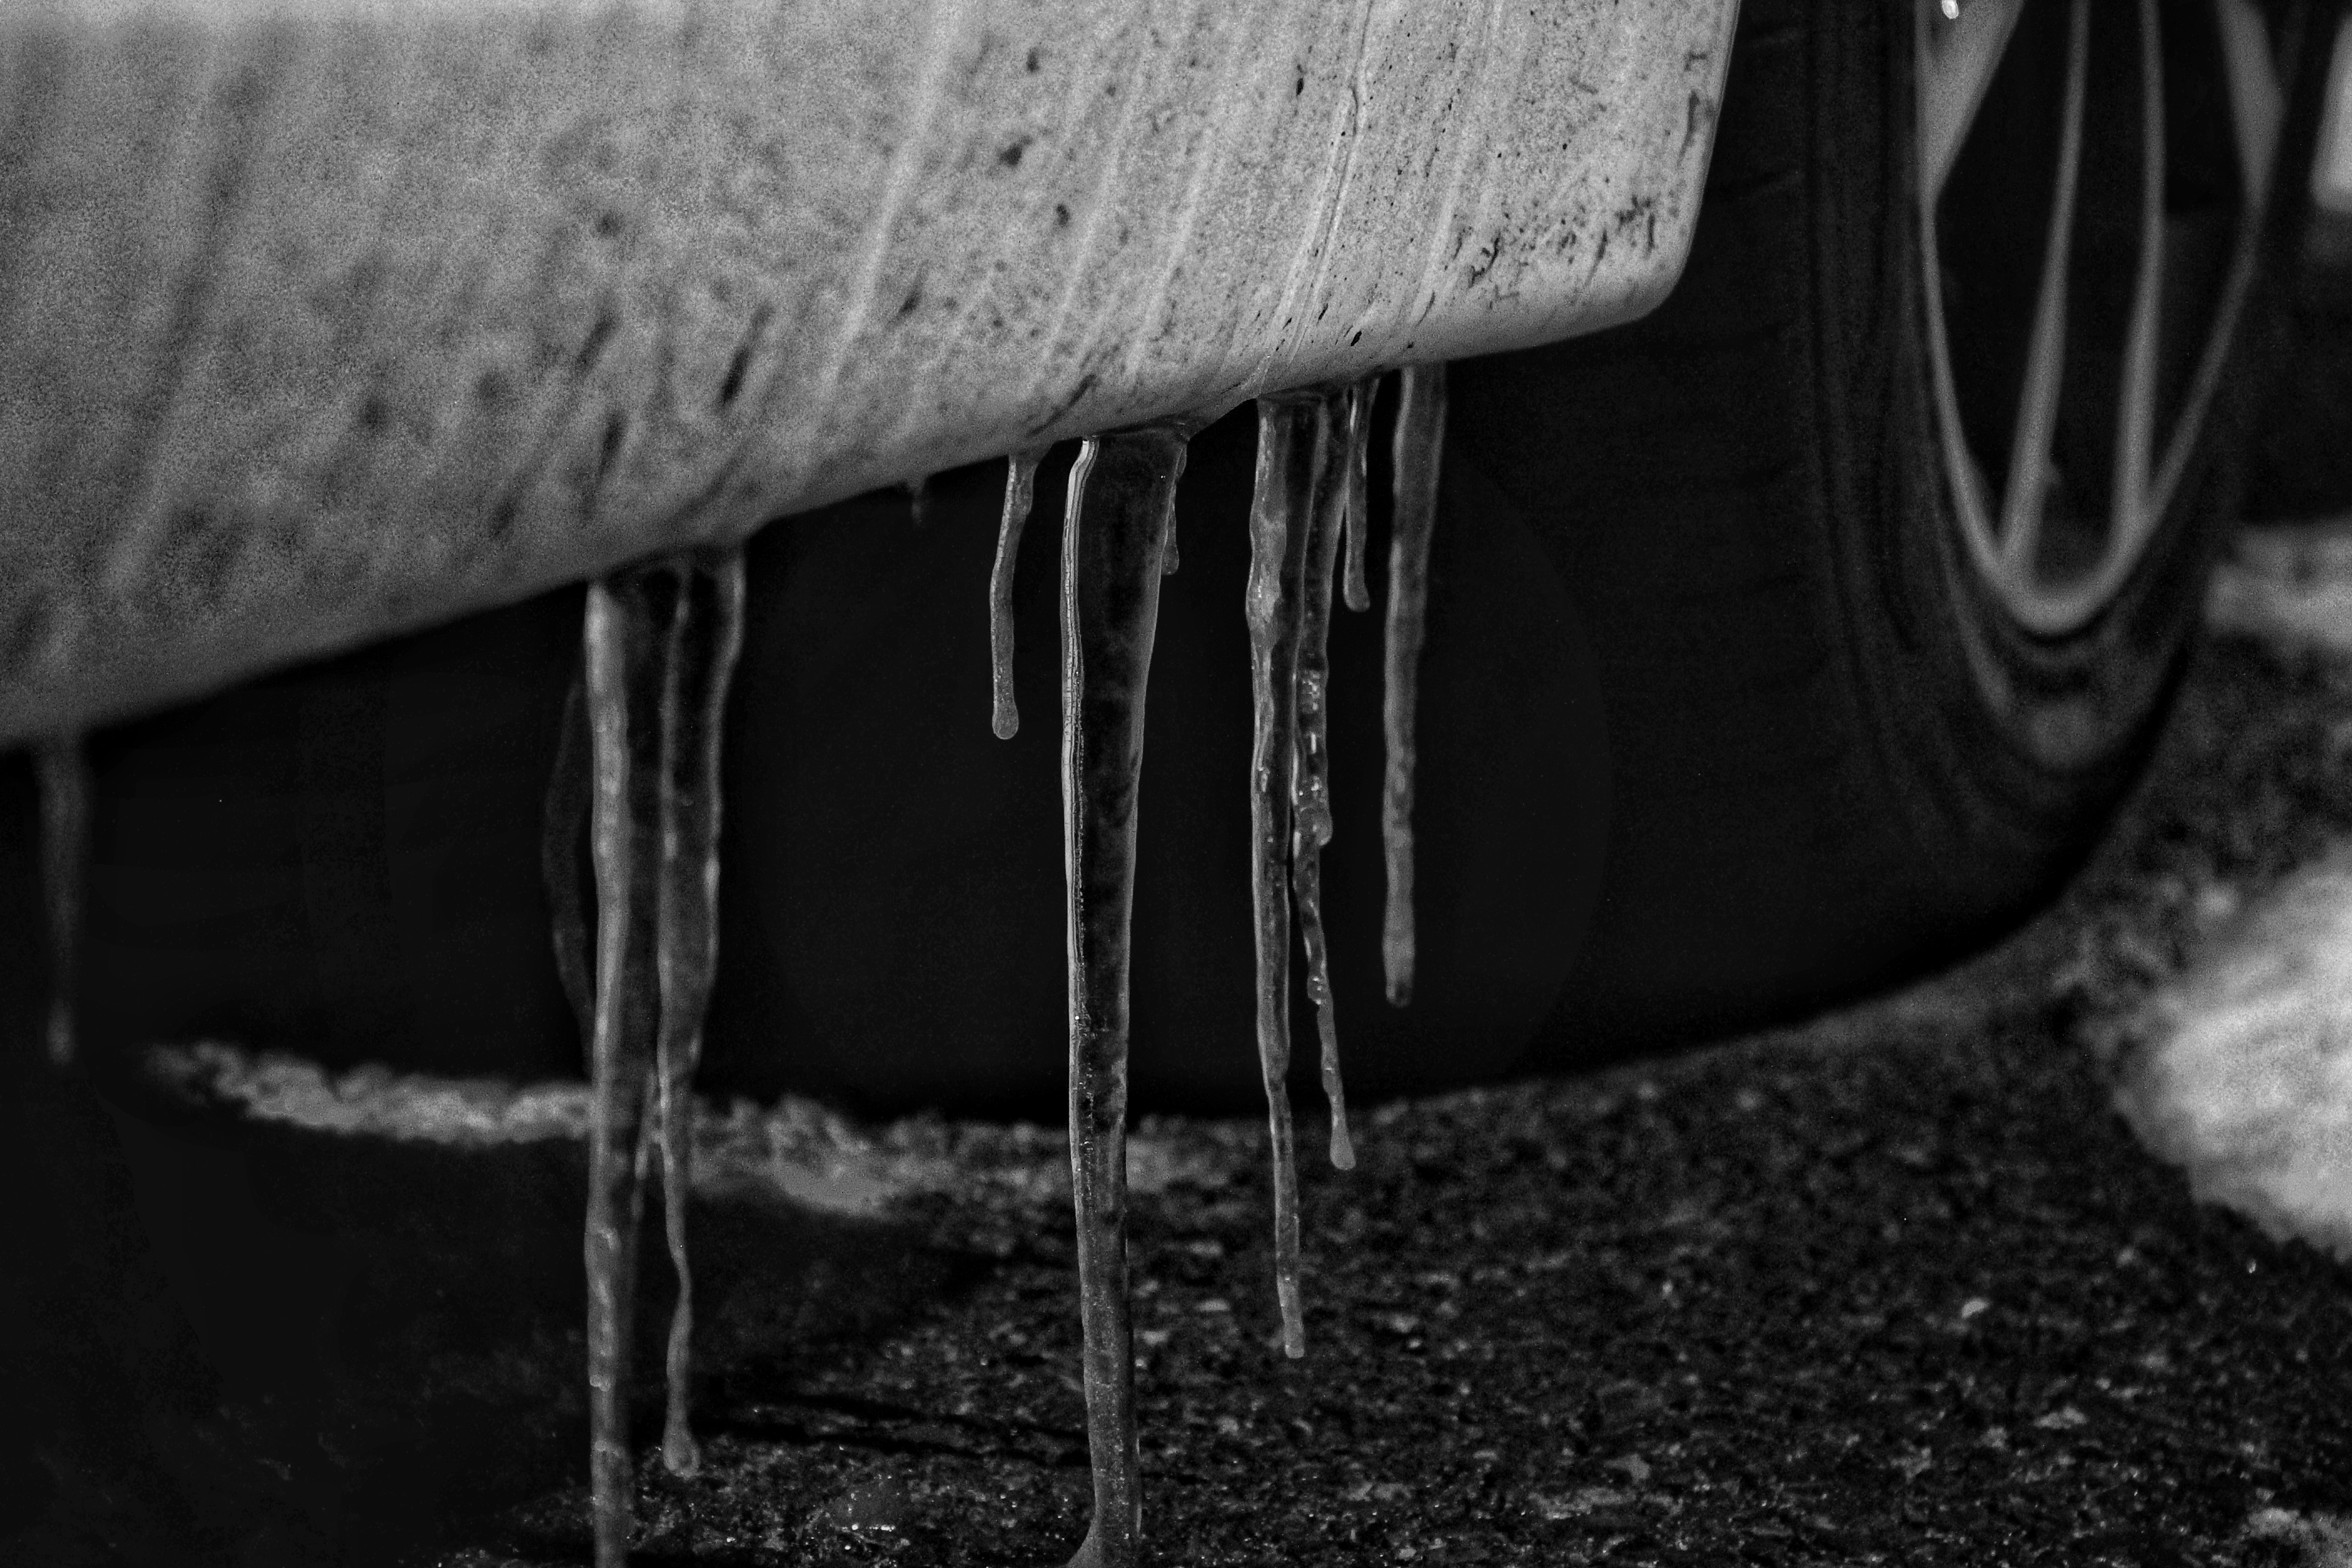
661	641
1121	510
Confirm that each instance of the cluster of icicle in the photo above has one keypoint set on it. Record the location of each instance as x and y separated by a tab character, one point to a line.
637	773
1119	539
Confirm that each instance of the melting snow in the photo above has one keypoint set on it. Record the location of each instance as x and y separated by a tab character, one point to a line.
2245	1076
2326	1539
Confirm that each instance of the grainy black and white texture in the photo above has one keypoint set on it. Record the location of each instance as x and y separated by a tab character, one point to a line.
1896	1287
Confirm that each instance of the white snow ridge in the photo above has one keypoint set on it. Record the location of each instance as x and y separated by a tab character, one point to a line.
796	1149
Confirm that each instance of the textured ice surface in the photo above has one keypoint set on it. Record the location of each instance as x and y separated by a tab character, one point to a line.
1357	424
705	638
1337	509
626	636
1020	490
660	644
1291	444
1122	501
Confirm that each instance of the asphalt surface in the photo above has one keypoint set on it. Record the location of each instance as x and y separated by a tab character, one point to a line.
1898	1285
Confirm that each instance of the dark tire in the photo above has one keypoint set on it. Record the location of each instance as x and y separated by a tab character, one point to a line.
1837	762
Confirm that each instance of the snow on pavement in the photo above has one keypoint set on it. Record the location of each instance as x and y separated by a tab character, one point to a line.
2243	1073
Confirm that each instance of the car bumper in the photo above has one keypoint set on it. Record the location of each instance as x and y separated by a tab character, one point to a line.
324	323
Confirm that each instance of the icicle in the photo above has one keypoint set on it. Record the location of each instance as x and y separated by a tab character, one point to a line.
1359	460
625	636
1324	522
704	636
1289	442
1020	488
64	773
565	820
1311	791
1419	444
660	643
1122	493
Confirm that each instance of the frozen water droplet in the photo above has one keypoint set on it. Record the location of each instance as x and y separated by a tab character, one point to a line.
1019	491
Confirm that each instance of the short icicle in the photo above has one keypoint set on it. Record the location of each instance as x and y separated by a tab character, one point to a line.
1359	406
1311	791
1419	443
660	641
1019	491
1290	446
1122	493
705	637
63	771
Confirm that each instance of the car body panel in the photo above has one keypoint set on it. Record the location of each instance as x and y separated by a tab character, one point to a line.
323	323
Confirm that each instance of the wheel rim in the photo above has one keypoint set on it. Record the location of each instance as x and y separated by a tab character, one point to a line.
2064	424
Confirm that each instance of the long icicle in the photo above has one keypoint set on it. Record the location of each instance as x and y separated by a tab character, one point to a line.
625	634
705	637
1121	506
1357	478
1419	443
570	787
1019	491
1280	507
1311	792
63	771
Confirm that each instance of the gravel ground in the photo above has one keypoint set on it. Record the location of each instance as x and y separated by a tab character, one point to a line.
1896	1286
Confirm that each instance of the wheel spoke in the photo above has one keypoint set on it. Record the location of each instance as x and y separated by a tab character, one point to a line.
2026	493
1957	62
2257	102
2257	108
2133	517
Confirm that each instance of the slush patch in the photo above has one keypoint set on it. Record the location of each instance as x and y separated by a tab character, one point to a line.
2326	1539
2243	1076
2287	584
